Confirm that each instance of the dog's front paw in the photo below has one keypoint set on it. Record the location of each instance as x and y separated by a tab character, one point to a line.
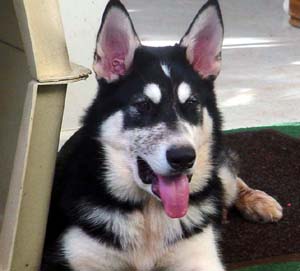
258	206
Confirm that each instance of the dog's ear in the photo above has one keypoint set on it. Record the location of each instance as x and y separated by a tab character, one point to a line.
203	40
116	43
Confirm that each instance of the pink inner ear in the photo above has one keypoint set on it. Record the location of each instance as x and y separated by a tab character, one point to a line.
116	45
205	51
116	48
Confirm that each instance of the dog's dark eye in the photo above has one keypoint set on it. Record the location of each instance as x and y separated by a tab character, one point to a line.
192	101
143	106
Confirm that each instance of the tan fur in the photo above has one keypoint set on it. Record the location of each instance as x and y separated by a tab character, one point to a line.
157	230
256	205
203	165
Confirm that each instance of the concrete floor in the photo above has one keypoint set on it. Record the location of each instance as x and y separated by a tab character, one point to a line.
260	79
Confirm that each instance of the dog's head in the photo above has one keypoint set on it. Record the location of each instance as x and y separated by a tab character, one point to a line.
156	108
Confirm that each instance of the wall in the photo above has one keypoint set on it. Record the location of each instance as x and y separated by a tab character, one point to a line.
81	21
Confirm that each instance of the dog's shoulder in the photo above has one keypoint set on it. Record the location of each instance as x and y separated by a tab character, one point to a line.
79	159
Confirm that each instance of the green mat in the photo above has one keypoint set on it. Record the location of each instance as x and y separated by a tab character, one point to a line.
292	266
293	130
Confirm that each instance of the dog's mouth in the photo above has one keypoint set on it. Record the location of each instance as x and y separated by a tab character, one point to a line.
173	190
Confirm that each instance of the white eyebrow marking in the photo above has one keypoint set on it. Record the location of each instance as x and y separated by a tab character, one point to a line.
184	92
153	92
166	70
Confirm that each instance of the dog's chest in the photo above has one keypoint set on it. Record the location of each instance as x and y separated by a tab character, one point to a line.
157	233
145	237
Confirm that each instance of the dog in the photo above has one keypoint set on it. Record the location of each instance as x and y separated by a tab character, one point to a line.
144	183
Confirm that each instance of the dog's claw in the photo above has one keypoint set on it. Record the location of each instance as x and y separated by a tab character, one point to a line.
258	206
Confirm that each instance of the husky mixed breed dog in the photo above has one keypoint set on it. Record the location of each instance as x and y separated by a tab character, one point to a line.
142	185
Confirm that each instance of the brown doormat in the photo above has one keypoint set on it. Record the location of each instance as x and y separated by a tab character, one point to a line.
270	161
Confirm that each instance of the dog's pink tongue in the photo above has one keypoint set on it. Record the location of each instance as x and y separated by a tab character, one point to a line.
174	194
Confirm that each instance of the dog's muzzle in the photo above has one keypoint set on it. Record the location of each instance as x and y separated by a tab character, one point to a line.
173	190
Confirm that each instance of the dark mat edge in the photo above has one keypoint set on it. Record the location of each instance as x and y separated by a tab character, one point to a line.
271	260
290	129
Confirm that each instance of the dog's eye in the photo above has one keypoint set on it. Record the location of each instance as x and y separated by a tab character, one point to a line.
143	106
192	101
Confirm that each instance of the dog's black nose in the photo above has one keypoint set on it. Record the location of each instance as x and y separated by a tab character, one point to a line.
181	158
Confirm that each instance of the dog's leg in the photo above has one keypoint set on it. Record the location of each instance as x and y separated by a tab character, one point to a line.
253	204
197	253
228	179
256	205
